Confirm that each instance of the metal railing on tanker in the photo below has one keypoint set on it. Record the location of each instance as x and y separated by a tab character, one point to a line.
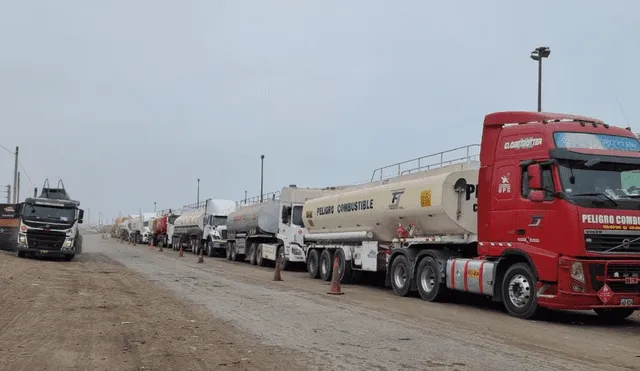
457	155
271	196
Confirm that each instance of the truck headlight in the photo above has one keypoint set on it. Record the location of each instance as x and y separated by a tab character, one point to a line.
22	239
68	242
69	231
577	272
295	250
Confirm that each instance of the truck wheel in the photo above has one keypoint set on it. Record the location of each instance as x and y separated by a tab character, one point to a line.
614	315
519	291
22	254
313	263
234	254
69	257
79	244
210	250
326	265
259	260
228	251
400	280
346	272
284	265
429	281
252	253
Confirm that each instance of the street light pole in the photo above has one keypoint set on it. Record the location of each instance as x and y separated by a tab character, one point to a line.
261	177
198	190
538	54
154	206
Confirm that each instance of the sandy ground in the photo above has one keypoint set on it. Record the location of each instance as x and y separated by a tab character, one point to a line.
95	314
247	321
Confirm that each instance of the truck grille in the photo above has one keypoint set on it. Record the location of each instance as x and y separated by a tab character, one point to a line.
621	277
45	240
223	234
604	242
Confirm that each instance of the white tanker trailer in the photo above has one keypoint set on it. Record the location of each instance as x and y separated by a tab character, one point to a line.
271	227
365	226
203	226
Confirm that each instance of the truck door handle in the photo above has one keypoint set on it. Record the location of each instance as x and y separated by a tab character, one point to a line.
521	231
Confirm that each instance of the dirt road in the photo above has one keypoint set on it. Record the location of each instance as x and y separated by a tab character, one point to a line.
286	325
370	328
95	314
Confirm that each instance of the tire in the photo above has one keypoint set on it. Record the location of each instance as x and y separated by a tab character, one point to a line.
79	244
69	257
22	254
326	265
399	274
234	254
614	315
313	263
346	271
259	259
519	281
284	265
210	251
252	253
429	281
228	250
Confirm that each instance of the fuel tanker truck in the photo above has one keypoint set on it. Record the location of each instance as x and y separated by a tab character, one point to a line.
542	217
202	226
270	226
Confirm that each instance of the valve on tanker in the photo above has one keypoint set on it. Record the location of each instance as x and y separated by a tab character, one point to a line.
402	232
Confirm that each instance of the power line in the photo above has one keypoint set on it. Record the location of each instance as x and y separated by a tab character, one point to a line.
25	173
6	149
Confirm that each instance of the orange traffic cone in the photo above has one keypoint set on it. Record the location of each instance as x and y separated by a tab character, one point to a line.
276	274
181	252
335	279
200	257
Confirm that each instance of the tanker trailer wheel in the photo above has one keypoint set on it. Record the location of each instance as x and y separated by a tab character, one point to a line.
313	263
429	281
400	280
326	265
234	253
259	260
228	250
519	291
344	266
253	249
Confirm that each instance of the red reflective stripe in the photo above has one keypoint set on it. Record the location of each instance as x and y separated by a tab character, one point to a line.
453	274
466	267
480	277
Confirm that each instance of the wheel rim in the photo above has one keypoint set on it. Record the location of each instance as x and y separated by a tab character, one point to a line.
519	291
428	279
324	266
400	275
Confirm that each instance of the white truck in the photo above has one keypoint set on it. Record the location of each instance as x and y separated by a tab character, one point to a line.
202	226
171	225
262	229
362	225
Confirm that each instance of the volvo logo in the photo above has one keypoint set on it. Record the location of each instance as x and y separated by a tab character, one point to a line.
626	243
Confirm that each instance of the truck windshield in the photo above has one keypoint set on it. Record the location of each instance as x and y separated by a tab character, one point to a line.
219	220
49	213
601	185
296	217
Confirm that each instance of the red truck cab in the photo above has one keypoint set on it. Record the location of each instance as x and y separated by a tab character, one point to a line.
551	194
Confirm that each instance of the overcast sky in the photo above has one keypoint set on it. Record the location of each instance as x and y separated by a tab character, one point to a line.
129	102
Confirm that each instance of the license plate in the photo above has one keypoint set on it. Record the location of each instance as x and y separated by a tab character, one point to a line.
632	280
626	301
43	251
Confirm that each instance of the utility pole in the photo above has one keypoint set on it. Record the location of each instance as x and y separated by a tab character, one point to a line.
15	178
261	177
8	193
198	200
245	197
89	216
154	207
17	190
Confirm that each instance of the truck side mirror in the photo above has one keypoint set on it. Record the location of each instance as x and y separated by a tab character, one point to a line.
534	174
80	216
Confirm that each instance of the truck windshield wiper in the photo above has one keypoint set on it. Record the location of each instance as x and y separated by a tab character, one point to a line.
597	194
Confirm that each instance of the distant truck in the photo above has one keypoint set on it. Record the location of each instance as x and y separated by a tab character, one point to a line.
544	214
266	227
202	226
49	224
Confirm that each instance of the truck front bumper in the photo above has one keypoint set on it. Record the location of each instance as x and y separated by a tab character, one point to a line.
46	251
604	284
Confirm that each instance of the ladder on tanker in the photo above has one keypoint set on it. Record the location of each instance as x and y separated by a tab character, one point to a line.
270	196
464	154
58	193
